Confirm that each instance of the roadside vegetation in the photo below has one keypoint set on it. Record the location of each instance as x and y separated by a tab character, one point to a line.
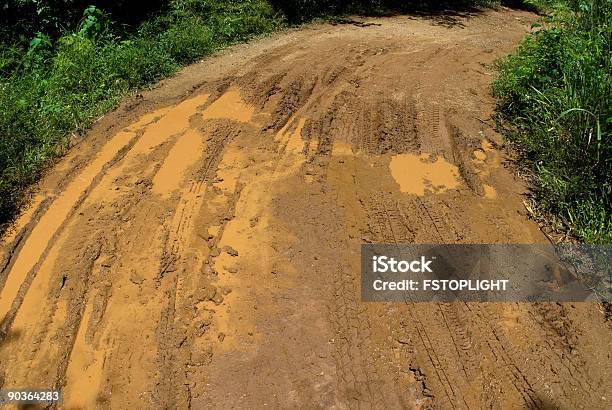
556	104
297	11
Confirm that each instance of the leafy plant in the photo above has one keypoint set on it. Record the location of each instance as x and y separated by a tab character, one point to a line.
555	93
94	23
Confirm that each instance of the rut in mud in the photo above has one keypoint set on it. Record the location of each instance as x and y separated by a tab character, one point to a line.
201	246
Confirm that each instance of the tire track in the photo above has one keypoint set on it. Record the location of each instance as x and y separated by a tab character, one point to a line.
22	267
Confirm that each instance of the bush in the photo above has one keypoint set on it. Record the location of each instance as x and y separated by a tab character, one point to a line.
555	92
187	40
22	19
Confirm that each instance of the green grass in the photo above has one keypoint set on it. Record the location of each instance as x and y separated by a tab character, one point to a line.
556	101
55	88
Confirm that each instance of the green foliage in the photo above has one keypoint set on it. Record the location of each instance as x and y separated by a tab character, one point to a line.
538	6
187	40
21	19
94	23
298	11
556	92
55	88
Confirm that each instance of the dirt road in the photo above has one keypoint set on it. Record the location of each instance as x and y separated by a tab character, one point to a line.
201	246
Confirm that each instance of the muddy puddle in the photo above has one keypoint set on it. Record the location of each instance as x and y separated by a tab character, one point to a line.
417	174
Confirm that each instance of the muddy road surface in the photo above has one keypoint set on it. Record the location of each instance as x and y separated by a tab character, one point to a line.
201	246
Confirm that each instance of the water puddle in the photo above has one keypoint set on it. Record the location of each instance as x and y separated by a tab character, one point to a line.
229	169
229	106
295	144
480	155
183	155
291	145
51	221
84	373
173	121
485	159
170	121
489	192
416	174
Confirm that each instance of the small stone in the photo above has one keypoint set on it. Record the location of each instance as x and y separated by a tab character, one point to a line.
218	298
208	270
106	263
201	326
206	236
205	293
230	251
136	279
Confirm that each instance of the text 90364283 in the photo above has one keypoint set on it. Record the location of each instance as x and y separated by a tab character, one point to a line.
29	396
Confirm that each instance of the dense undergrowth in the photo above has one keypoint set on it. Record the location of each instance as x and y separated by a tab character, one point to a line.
556	102
301	10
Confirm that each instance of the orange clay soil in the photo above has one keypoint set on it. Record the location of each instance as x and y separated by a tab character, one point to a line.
200	247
